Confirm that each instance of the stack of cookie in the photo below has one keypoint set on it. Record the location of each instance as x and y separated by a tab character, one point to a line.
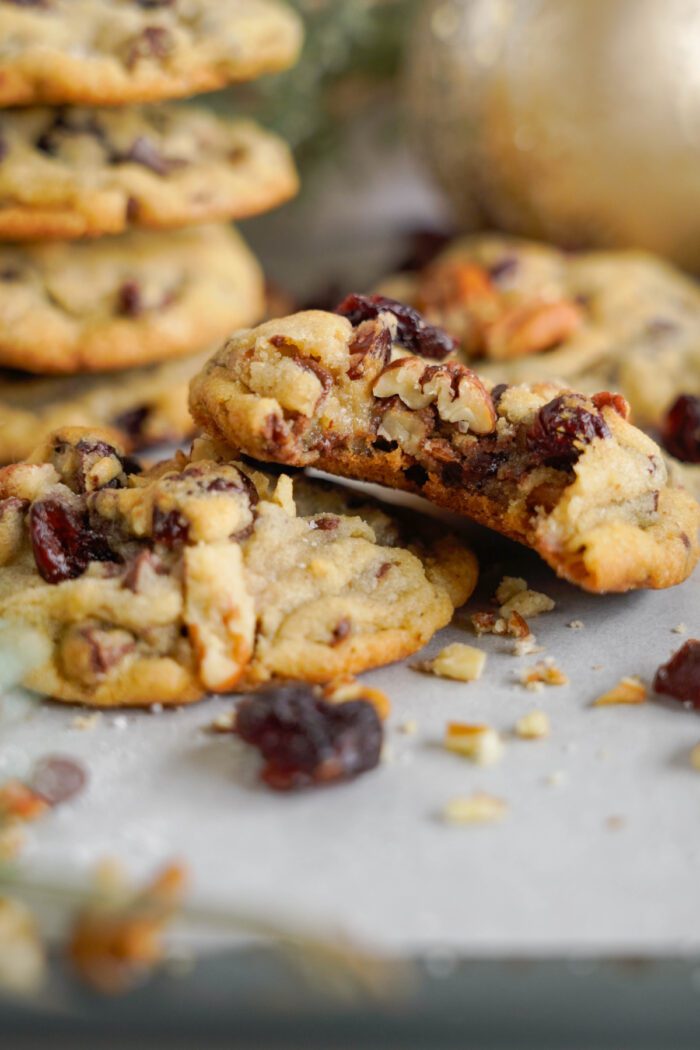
109	331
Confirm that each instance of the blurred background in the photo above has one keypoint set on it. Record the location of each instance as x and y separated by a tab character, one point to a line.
576	122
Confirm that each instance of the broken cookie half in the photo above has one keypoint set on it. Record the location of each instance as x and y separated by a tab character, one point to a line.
205	575
374	392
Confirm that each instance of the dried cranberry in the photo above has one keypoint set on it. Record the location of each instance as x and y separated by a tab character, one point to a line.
505	267
145	152
305	740
132	422
169	528
563	427
327	523
57	778
412	331
681	429
680	677
129	299
341	631
151	42
416	475
63	542
424	245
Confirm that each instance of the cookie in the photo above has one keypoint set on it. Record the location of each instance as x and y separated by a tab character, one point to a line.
205	575
376	395
144	408
79	172
111	52
525	311
94	306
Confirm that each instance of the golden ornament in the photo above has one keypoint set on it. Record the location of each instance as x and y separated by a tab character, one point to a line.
576	121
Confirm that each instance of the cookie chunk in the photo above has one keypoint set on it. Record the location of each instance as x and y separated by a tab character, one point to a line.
132	300
147	407
80	172
527	312
204	575
373	392
110	52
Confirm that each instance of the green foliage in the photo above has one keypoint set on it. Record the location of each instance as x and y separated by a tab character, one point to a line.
353	48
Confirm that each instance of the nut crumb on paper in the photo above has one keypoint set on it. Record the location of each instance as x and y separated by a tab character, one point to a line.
615	823
576	625
480	743
535	725
86	723
514	595
223	723
342	689
556	779
680	628
478	808
527	646
462	663
409	727
545	672
629	690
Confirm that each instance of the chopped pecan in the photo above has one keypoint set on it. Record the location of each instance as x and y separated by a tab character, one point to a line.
370	348
532	328
458	394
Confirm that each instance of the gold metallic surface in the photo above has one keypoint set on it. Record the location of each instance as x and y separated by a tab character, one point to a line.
577	121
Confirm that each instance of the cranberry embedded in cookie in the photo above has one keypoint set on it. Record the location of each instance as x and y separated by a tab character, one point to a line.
202	574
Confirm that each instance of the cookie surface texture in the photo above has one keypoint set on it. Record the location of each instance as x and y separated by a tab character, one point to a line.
204	575
377	395
93	306
111	52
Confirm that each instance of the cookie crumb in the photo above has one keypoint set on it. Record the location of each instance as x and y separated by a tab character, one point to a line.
478	808
223	723
615	823
480	743
556	779
514	595
629	690
695	757
576	625
527	646
533	726
409	727
680	628
343	689
545	672
86	723
463	663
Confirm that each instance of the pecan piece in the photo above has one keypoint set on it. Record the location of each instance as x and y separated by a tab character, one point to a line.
458	394
532	328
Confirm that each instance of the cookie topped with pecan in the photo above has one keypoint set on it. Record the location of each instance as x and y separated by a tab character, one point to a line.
526	312
561	472
202	574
